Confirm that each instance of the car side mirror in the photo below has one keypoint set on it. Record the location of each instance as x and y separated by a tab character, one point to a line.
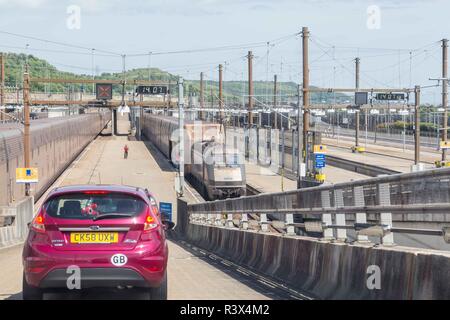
168	225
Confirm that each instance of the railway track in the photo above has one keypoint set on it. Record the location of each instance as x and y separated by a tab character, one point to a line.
380	154
251	190
354	166
409	142
358	167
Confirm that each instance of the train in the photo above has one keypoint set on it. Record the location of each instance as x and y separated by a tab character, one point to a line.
216	171
55	143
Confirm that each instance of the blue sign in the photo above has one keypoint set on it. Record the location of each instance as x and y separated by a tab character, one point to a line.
319	160
166	210
320	157
320	164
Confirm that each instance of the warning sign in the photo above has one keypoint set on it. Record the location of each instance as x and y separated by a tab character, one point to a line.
319	148
445	144
27	175
103	91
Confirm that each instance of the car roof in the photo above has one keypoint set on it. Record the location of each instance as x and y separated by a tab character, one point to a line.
98	187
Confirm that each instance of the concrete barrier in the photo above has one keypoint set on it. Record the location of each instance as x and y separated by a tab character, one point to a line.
22	212
329	270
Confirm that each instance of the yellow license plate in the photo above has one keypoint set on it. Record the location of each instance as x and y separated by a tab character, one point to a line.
94	237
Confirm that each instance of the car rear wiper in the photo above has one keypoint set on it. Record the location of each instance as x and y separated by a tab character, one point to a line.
111	215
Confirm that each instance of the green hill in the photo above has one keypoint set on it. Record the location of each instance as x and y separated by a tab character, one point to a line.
233	90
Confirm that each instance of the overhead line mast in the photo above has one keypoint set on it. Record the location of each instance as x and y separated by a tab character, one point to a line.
202	101
275	101
2	84
445	95
357	112
221	94
250	88
303	150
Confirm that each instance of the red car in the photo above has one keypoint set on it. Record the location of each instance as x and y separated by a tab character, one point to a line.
96	236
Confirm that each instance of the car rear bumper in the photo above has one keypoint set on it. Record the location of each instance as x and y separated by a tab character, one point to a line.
94	278
46	267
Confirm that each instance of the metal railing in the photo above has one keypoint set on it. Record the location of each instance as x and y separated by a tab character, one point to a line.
368	207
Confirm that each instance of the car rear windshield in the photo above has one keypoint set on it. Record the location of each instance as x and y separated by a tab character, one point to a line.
90	205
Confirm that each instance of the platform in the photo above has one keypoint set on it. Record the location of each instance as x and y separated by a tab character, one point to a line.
391	157
266	181
192	274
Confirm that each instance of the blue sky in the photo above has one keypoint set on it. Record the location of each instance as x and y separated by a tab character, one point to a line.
139	26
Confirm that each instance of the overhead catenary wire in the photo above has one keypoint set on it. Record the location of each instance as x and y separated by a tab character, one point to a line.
313	36
57	42
396	51
31	48
417	52
389	83
333	58
324	47
219	48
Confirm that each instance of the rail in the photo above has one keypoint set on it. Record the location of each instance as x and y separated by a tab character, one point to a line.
367	207
362	168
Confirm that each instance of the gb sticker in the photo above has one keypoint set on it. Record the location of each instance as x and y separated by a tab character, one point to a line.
119	259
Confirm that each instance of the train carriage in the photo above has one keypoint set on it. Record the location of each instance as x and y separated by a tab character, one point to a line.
222	176
55	142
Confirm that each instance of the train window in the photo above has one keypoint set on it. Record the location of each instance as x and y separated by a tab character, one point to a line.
218	158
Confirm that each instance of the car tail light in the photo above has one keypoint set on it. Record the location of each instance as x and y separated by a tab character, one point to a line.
35	265
154	206
38	223
96	192
154	268
155	211
150	222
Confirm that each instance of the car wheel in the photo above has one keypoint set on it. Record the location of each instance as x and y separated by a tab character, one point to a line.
159	293
30	292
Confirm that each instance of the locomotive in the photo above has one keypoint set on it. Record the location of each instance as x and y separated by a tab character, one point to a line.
215	170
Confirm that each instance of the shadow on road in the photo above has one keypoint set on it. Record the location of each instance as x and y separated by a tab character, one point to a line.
160	159
91	294
263	284
14	296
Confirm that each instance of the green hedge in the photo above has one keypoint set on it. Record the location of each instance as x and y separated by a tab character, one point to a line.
424	126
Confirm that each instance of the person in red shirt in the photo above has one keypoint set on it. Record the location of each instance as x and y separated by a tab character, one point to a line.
125	152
